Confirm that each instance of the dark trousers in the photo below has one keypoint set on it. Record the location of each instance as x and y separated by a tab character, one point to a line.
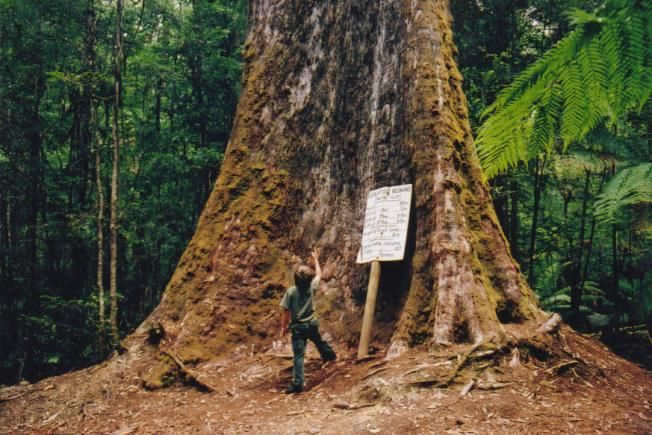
300	335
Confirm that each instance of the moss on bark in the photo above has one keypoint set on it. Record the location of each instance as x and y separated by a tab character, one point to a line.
340	98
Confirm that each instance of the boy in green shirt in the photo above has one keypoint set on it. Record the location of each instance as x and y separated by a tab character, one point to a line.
297	307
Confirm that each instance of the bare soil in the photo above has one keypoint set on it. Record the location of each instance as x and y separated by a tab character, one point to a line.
587	391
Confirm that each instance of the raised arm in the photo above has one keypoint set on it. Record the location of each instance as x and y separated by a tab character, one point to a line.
315	256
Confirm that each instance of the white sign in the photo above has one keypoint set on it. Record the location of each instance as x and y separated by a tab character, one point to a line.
385	224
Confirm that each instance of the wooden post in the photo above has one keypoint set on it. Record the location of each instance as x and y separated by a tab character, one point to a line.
369	309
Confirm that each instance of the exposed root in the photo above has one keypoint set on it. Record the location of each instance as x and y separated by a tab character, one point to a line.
463	359
551	325
190	376
545	349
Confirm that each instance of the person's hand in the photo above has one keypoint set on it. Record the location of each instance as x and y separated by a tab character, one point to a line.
315	254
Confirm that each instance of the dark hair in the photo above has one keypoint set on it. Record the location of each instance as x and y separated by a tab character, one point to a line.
303	275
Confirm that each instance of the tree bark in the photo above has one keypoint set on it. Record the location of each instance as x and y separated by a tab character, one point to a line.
513	220
95	142
615	266
538	189
578	283
339	99
115	175
589	248
100	245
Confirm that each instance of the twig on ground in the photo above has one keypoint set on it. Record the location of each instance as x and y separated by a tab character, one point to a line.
562	366
491	385
35	390
126	431
51	419
7	399
283	356
342	405
371	373
467	388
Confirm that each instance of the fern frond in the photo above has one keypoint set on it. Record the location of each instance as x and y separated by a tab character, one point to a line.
601	71
556	300
630	186
574	116
575	164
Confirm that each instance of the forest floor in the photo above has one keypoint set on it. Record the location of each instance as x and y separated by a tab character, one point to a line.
591	391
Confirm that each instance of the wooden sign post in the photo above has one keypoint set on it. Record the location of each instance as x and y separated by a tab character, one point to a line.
383	239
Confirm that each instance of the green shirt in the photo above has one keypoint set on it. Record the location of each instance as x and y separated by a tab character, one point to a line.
299	303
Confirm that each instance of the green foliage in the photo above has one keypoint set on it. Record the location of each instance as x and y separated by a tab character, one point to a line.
630	186
598	73
181	81
592	296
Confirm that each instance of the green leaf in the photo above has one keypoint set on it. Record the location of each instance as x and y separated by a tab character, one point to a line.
598	73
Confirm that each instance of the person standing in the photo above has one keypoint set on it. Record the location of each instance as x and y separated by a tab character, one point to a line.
299	316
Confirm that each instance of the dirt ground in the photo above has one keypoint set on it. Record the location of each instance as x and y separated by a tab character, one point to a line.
591	391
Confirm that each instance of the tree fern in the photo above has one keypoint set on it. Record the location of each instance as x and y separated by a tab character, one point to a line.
575	164
591	296
632	185
600	72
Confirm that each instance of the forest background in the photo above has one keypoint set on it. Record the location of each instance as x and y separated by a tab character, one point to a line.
579	233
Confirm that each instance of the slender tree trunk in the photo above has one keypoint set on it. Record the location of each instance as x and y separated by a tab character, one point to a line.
539	165
501	201
100	244
513	220
589	248
9	334
29	337
157	110
615	270
576	285
115	174
95	142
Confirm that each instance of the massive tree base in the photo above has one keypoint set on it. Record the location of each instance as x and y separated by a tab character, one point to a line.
341	98
563	381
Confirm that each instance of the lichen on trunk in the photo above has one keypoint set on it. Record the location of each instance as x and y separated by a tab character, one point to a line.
340	98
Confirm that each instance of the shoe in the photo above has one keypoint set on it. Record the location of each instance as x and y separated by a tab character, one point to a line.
293	389
332	357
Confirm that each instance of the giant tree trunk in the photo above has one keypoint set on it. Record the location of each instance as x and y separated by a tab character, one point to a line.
340	98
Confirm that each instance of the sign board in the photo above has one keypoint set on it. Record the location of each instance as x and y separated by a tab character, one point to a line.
385	224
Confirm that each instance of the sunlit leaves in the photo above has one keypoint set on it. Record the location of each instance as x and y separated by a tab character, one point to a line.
599	72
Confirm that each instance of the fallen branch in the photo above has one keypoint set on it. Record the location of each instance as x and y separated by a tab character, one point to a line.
126	431
371	373
7	399
562	366
365	358
426	366
52	418
188	373
342	405
491	385
467	388
285	356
